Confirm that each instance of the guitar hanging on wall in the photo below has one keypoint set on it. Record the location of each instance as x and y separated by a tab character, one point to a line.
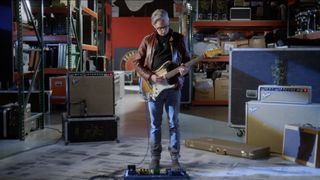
152	90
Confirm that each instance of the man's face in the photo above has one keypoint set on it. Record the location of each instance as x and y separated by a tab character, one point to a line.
162	27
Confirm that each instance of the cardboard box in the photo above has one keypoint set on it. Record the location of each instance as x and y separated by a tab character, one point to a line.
257	42
242	43
301	145
204	89
228	45
221	89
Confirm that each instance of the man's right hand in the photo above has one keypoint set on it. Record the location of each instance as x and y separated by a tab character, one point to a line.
156	79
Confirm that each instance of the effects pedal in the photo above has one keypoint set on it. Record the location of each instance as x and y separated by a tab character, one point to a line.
136	174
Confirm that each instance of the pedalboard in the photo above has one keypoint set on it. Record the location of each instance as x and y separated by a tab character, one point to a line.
140	174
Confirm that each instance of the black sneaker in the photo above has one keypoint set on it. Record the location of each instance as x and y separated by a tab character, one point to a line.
155	164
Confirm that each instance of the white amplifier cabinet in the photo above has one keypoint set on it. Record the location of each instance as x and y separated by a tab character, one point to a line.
90	94
285	94
265	122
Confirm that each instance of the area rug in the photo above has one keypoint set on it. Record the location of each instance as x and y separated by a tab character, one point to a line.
110	159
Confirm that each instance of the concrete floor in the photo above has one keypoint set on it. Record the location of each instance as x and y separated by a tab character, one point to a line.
44	150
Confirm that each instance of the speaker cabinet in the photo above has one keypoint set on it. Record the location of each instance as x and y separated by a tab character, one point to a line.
90	94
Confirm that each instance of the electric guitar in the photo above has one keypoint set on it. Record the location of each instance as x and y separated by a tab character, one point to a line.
152	90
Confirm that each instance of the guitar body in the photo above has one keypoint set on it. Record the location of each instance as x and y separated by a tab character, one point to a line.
152	90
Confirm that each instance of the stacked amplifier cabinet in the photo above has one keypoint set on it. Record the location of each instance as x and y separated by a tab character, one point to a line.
9	121
90	94
91	113
265	122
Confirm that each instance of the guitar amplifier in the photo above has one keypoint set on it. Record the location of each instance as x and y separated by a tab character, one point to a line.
285	94
90	94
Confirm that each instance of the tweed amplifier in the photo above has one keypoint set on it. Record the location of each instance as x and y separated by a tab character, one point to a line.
285	94
90	94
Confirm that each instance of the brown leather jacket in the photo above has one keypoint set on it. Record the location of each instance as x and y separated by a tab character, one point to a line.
143	59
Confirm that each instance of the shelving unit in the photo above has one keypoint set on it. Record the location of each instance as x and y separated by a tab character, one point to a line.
74	34
87	47
253	25
231	26
22	99
35	35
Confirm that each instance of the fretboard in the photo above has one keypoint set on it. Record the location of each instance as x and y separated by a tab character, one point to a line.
175	71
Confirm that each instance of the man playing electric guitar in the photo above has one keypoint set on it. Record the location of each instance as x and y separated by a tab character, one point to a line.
159	52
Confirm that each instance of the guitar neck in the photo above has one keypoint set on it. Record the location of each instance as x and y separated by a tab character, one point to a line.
175	71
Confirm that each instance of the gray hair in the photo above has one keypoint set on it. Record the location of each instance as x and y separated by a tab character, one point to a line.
159	14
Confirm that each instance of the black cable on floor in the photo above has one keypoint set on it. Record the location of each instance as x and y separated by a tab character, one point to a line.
111	176
148	131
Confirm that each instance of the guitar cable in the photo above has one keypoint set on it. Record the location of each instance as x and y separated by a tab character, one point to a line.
148	130
113	175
